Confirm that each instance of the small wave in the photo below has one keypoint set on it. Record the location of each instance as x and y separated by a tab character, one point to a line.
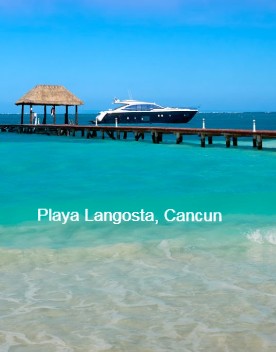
263	236
165	247
19	339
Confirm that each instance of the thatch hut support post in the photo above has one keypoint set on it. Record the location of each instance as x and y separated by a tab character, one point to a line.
31	114
22	114
76	115
66	119
54	115
44	116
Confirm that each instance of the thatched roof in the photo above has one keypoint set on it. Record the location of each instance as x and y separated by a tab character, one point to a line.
49	95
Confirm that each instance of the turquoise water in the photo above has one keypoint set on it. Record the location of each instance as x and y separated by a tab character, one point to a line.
138	286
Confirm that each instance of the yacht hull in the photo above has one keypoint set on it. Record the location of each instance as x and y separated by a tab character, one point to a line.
148	117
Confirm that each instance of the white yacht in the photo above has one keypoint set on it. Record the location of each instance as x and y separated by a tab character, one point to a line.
134	111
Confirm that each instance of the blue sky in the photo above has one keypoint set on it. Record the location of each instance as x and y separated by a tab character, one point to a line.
211	54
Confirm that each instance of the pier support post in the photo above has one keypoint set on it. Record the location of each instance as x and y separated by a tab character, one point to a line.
254	141
227	141
102	134
118	135
179	138
111	134
153	136
202	141
125	135
139	135
159	137
259	142
156	135
210	139
235	141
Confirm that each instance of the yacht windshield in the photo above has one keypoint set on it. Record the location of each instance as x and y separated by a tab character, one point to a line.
120	106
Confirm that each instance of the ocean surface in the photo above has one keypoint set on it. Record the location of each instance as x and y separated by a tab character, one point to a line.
138	286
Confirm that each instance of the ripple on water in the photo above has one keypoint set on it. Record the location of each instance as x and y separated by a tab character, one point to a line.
155	296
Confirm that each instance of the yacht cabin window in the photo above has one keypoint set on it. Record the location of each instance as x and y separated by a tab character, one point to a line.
142	107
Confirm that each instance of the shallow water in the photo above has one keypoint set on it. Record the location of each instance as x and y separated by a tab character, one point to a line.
87	286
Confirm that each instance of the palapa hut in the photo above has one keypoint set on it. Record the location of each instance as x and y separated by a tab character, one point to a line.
53	96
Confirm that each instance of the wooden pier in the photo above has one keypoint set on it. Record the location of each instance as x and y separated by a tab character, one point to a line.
138	132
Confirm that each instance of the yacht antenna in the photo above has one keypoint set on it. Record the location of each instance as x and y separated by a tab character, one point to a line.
130	94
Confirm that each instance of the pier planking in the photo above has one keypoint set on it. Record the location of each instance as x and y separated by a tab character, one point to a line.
115	132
